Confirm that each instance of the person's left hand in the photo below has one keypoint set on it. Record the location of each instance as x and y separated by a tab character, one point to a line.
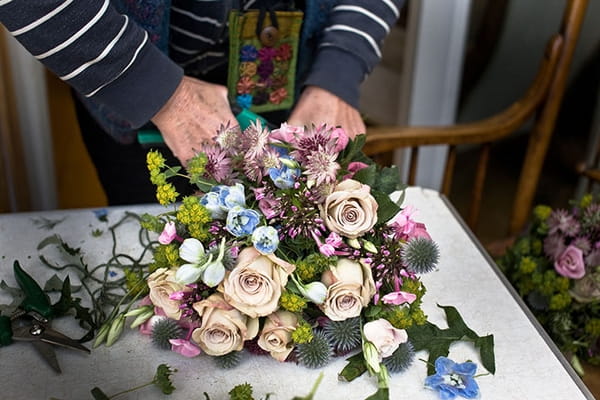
317	106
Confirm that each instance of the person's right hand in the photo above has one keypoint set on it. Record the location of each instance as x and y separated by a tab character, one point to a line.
192	116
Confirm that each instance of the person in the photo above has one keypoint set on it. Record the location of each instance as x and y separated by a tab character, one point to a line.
163	61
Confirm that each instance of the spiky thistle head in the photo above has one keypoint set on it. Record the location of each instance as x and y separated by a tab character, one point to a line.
344	335
420	255
316	353
229	360
163	330
401	359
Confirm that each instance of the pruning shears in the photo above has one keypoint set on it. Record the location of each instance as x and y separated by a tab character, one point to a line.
31	321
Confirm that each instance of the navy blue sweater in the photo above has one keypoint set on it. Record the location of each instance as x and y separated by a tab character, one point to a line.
107	56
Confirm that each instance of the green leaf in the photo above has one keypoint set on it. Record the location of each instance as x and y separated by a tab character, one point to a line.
387	208
438	341
162	379
99	394
67	303
486	350
171	172
353	149
54	284
367	176
356	367
388	180
380	394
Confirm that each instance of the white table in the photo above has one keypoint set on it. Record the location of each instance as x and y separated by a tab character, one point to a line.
528	365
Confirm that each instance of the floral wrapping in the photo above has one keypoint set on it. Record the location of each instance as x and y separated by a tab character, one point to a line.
262	73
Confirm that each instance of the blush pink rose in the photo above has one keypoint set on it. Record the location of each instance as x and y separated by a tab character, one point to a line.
570	263
384	336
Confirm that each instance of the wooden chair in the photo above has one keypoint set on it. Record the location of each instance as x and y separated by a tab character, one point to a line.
541	102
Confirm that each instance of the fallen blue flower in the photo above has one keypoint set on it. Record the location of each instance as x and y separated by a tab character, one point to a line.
452	379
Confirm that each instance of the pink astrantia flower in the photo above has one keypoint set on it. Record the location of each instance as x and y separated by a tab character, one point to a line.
184	347
570	263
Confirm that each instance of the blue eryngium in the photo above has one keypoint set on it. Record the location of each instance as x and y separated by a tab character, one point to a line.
453	379
242	221
265	239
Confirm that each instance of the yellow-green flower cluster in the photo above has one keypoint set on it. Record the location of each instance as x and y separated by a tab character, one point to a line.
542	212
166	194
560	301
312	266
154	161
196	167
134	282
593	327
165	256
527	265
303	333
292	302
195	216
405	317
586	200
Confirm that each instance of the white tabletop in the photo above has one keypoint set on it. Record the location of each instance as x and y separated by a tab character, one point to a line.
528	366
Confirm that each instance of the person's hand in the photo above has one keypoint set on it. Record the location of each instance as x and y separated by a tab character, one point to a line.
317	106
192	116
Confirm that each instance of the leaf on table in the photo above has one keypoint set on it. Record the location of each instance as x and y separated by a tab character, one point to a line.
99	394
67	302
17	298
356	367
46	223
57	240
438	341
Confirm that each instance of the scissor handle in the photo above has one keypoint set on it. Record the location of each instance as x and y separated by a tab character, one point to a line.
35	298
5	331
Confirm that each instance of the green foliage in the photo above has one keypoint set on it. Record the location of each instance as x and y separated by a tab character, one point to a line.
438	341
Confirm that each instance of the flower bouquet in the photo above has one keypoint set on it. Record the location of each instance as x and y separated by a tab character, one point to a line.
291	247
555	267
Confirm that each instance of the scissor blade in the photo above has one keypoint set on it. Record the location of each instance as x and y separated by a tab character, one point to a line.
48	354
59	339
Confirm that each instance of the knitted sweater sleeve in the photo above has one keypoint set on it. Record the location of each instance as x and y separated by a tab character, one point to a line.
351	45
99	52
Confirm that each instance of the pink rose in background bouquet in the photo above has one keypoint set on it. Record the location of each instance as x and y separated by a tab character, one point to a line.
555	266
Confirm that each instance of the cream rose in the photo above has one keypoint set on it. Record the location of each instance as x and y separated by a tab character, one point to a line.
162	285
276	335
255	284
350	287
384	336
224	329
350	210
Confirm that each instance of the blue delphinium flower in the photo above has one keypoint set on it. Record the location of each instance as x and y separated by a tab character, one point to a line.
222	198
284	177
265	239
452	379
242	221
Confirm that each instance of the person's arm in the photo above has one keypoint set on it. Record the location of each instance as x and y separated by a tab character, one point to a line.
348	51
104	55
97	51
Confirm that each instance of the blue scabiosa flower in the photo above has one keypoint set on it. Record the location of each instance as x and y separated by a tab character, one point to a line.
242	221
284	177
265	239
452	379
